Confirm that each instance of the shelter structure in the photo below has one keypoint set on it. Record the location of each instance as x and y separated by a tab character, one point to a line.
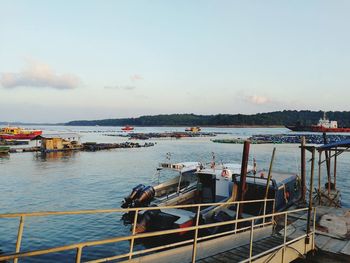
59	142
332	220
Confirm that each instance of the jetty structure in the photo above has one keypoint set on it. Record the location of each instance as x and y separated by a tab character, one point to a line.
245	238
332	225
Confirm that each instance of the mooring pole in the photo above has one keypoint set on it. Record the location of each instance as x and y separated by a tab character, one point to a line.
270	174
325	141
303	169
243	179
335	168
310	195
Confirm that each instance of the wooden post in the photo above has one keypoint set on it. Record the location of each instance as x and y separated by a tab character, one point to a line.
335	169
303	169
270	174
310	195
319	177
244	167
327	163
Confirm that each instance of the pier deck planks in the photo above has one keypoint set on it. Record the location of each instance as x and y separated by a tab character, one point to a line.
241	253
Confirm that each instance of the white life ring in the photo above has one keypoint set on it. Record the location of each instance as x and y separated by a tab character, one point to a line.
226	173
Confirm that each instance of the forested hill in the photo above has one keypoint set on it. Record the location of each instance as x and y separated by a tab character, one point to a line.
268	119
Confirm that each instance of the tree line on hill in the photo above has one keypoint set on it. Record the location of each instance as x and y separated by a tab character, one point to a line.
286	117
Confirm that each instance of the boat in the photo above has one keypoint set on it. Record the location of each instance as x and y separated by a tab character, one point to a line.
17	133
127	128
4	150
220	185
193	129
176	190
323	125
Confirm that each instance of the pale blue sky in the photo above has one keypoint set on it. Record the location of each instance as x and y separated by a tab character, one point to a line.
66	60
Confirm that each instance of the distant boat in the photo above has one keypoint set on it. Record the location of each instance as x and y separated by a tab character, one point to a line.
4	150
16	133
193	129
127	128
323	125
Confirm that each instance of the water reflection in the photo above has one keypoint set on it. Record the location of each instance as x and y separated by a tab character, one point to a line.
55	156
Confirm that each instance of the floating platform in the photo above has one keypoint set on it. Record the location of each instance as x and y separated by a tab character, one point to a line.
332	234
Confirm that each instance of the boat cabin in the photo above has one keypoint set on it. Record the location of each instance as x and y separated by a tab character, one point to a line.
215	184
284	188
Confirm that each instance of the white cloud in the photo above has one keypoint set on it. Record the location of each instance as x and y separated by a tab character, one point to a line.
39	75
121	87
136	77
258	100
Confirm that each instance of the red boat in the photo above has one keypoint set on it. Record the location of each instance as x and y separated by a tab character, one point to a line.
324	125
128	128
16	133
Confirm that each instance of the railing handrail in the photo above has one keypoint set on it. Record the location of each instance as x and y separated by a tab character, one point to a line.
142	235
124	210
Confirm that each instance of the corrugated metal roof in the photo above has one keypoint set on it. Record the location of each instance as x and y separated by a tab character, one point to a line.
60	135
344	143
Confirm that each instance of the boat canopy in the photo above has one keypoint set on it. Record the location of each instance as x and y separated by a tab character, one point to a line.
278	178
181	167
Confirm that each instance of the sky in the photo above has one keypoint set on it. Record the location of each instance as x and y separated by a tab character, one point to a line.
70	60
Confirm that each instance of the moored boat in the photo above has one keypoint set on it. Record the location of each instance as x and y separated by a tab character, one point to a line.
17	133
193	129
220	185
176	190
4	149
323	125
127	128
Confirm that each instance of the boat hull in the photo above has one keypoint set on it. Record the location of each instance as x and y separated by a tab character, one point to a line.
316	129
21	136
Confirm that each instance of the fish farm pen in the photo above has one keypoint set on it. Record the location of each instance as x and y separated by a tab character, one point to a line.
286	138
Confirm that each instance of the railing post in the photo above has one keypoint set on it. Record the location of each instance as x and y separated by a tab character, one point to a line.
19	237
285	237
133	233
251	241
237	213
78	255
194	250
264	211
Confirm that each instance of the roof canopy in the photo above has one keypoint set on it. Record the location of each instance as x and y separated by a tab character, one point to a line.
340	144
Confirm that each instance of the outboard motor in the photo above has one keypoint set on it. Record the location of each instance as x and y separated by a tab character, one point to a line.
145	196
135	193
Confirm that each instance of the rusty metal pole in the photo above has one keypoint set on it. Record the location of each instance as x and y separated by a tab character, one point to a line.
303	169
327	163
244	167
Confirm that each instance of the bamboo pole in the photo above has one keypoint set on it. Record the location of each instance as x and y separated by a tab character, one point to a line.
270	173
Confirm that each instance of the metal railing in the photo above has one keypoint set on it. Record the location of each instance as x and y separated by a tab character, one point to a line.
255	222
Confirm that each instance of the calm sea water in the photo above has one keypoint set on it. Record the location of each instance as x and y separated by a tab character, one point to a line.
97	180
